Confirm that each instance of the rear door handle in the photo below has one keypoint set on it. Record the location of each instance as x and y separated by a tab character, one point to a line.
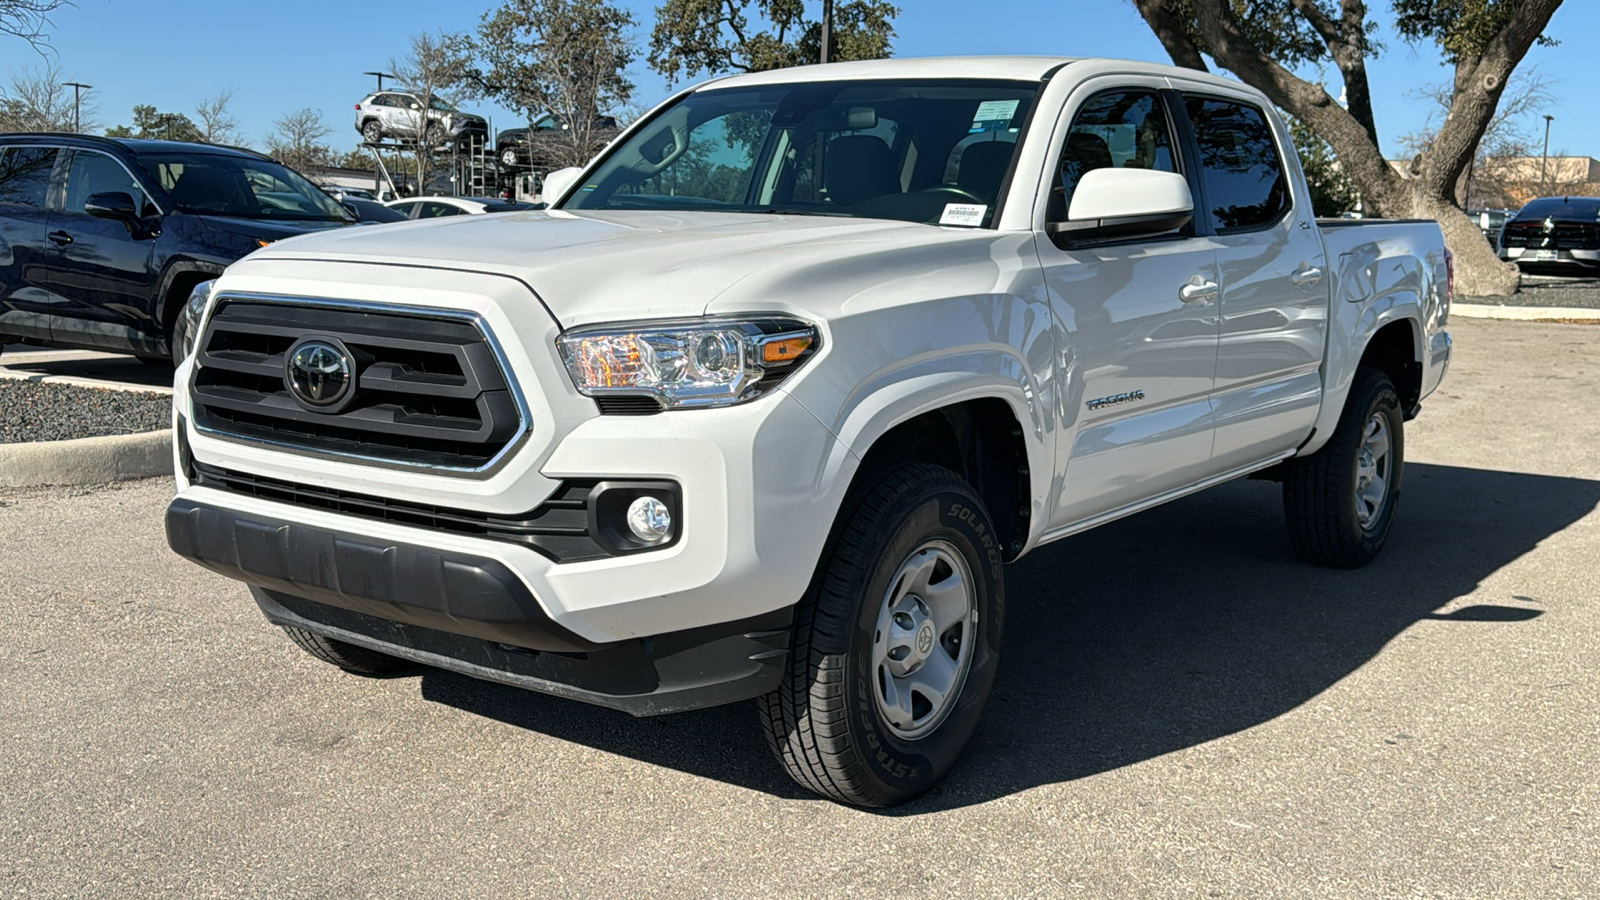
59	238
1306	277
1197	290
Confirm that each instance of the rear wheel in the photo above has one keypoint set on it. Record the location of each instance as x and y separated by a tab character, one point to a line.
1340	501
349	657
896	642
372	131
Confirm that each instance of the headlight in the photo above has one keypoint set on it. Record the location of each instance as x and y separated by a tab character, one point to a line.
688	363
194	314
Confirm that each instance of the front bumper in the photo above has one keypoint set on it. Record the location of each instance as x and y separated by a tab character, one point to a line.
1535	260
471	614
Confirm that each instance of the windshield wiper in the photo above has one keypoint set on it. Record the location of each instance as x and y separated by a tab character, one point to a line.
784	211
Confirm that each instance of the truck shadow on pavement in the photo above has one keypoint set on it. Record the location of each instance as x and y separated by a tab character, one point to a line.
1149	635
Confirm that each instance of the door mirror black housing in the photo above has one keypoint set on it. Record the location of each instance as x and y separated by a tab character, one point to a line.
113	205
1121	204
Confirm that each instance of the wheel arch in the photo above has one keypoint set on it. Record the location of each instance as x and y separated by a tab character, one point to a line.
177	281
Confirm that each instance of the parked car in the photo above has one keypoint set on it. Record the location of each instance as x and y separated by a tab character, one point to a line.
371	211
1555	236
764	405
338	192
102	240
399	115
1490	221
541	146
437	207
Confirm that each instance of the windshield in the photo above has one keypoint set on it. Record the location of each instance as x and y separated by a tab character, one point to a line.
240	186
1586	209
917	151
437	103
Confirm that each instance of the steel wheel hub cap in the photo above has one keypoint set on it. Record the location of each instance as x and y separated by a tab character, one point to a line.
1373	471
922	646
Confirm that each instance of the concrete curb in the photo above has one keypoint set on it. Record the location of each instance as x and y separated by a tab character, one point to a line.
96	460
1526	313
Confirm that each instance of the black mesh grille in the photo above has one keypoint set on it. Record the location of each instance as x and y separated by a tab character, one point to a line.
1562	235
626	405
558	528
429	390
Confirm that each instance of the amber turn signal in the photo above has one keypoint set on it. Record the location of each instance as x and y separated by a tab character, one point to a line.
785	349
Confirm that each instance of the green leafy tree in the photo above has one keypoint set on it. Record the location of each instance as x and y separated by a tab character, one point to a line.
1263	42
713	36
1331	190
152	124
568	57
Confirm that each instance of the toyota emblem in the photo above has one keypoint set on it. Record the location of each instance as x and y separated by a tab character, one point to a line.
319	374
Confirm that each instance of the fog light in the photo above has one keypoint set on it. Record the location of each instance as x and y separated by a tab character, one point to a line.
650	520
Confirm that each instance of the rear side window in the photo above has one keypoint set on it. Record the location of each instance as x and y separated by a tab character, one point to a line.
25	175
1239	165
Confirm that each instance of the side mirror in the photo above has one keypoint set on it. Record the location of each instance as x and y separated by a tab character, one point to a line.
559	182
113	205
1117	204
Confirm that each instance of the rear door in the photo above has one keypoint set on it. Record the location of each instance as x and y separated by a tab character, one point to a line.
1275	287
1139	358
25	302
99	270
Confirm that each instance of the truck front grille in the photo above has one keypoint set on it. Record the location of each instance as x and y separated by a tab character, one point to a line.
429	387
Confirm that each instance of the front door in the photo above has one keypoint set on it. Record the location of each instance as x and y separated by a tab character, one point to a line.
99	271
1274	287
1140	325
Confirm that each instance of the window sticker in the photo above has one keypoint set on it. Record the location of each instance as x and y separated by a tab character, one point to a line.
968	215
993	115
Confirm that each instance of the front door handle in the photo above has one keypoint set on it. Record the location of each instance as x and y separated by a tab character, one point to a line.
1197	291
59	238
1306	277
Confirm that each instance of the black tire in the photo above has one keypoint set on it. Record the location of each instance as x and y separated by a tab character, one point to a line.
1320	501
178	338
824	724
372	131
349	657
155	362
509	158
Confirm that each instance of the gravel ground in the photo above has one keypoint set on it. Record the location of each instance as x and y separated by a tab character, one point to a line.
1545	290
32	411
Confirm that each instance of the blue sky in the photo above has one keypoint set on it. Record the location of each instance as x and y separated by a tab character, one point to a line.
288	54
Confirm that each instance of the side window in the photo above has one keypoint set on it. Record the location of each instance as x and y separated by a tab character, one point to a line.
1239	165
96	173
435	210
717	163
25	175
1119	130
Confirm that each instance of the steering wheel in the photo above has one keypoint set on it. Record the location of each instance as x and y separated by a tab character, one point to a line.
953	191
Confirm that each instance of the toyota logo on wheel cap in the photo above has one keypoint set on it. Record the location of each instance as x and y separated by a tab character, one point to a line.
320	374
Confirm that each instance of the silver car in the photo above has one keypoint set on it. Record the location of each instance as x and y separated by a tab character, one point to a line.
399	115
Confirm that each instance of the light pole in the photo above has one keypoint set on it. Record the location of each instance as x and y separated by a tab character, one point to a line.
827	27
77	95
1544	158
380	76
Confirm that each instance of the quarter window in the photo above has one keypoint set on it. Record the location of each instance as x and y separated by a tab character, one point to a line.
1244	179
25	175
1121	130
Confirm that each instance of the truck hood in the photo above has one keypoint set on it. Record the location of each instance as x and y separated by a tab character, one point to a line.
607	266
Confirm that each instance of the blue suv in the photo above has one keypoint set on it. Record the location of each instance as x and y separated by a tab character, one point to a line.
102	240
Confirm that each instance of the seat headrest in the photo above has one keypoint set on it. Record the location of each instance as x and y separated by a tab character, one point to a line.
983	167
860	167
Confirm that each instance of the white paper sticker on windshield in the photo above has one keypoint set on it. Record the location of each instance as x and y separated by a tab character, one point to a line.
969	215
993	115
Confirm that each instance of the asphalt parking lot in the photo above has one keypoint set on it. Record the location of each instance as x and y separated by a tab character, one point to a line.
1183	710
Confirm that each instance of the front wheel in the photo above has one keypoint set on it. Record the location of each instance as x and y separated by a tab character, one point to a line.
1340	501
508	157
349	657
896	642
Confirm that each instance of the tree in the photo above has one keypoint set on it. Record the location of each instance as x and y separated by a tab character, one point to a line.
1497	169
1262	41
151	124
437	67
1331	190
567	57
38	101
296	140
217	124
714	36
29	19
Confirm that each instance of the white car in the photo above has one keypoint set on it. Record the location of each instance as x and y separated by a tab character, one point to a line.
436	207
402	115
764	404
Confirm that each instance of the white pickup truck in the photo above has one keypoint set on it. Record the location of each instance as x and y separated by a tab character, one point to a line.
764	402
